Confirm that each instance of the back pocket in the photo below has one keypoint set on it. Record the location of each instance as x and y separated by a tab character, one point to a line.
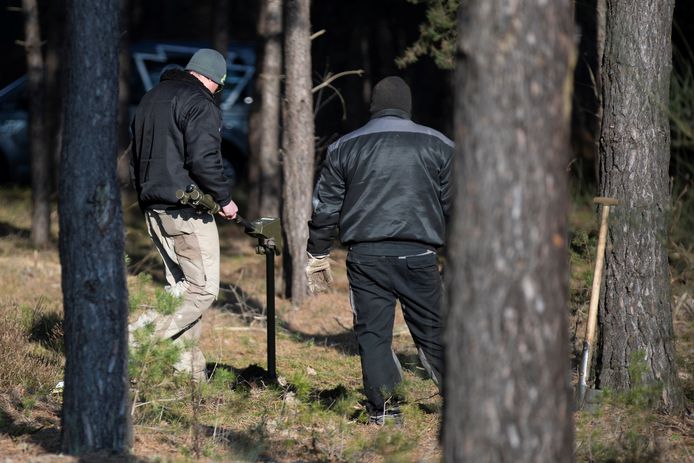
422	261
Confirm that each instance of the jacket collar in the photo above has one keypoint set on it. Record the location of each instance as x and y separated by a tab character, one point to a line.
183	76
392	112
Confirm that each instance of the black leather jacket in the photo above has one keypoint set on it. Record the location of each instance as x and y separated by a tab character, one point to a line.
176	141
389	181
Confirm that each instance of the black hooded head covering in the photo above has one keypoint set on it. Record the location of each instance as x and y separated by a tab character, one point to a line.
391	93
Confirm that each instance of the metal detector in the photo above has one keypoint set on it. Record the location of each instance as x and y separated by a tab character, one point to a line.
268	232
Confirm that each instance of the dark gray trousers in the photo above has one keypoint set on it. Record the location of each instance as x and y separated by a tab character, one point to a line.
376	282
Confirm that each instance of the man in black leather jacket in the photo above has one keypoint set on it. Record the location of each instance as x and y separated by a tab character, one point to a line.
387	188
176	141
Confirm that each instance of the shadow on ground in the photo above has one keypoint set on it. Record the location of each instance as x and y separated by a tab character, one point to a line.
7	229
234	299
40	427
255	376
345	342
47	330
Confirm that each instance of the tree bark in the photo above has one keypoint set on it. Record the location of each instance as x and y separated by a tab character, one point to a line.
265	166
507	394
635	317
38	146
600	46
297	146
95	401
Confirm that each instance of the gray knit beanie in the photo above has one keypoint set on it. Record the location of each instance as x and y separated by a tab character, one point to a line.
210	63
391	93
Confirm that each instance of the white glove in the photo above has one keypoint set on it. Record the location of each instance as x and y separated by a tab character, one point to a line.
318	273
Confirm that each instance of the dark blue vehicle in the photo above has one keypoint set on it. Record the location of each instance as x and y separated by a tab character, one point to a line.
14	153
148	61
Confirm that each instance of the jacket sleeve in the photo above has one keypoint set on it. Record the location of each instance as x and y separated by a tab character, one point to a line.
203	158
328	197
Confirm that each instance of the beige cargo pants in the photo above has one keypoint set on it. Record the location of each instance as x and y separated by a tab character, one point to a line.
188	243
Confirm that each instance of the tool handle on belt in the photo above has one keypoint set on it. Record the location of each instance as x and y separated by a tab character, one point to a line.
196	198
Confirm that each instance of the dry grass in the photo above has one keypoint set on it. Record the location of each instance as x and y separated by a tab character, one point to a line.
617	430
314	414
30	308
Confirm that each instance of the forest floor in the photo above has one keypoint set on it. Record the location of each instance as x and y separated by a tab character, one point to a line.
314	414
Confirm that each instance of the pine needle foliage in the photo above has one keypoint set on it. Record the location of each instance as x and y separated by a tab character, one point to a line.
437	35
622	428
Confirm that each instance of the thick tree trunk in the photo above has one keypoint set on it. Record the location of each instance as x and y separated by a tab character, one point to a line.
507	394
38	146
265	167
635	312
297	145
95	402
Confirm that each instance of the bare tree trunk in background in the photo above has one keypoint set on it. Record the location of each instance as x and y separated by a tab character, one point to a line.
95	299
636	331
297	145
220	33
507	394
124	70
600	33
364	51
53	94
38	146
265	174
220	26
600	46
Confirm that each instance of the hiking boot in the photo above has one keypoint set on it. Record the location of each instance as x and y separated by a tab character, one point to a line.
391	416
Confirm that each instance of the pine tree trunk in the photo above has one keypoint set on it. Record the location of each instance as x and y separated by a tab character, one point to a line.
600	48
220	26
95	401
53	94
507	394
297	145
266	178
38	146
635	311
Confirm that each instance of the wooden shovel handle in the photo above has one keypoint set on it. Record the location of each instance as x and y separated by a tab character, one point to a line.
584	368
605	201
597	277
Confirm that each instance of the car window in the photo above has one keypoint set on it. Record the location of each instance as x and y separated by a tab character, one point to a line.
14	97
149	64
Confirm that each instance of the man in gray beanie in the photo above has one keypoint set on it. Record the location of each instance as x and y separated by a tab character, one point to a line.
176	142
387	188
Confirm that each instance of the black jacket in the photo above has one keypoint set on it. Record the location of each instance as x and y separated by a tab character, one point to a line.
176	141
388	181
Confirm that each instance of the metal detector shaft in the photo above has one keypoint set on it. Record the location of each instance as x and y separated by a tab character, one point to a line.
270	283
267	231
